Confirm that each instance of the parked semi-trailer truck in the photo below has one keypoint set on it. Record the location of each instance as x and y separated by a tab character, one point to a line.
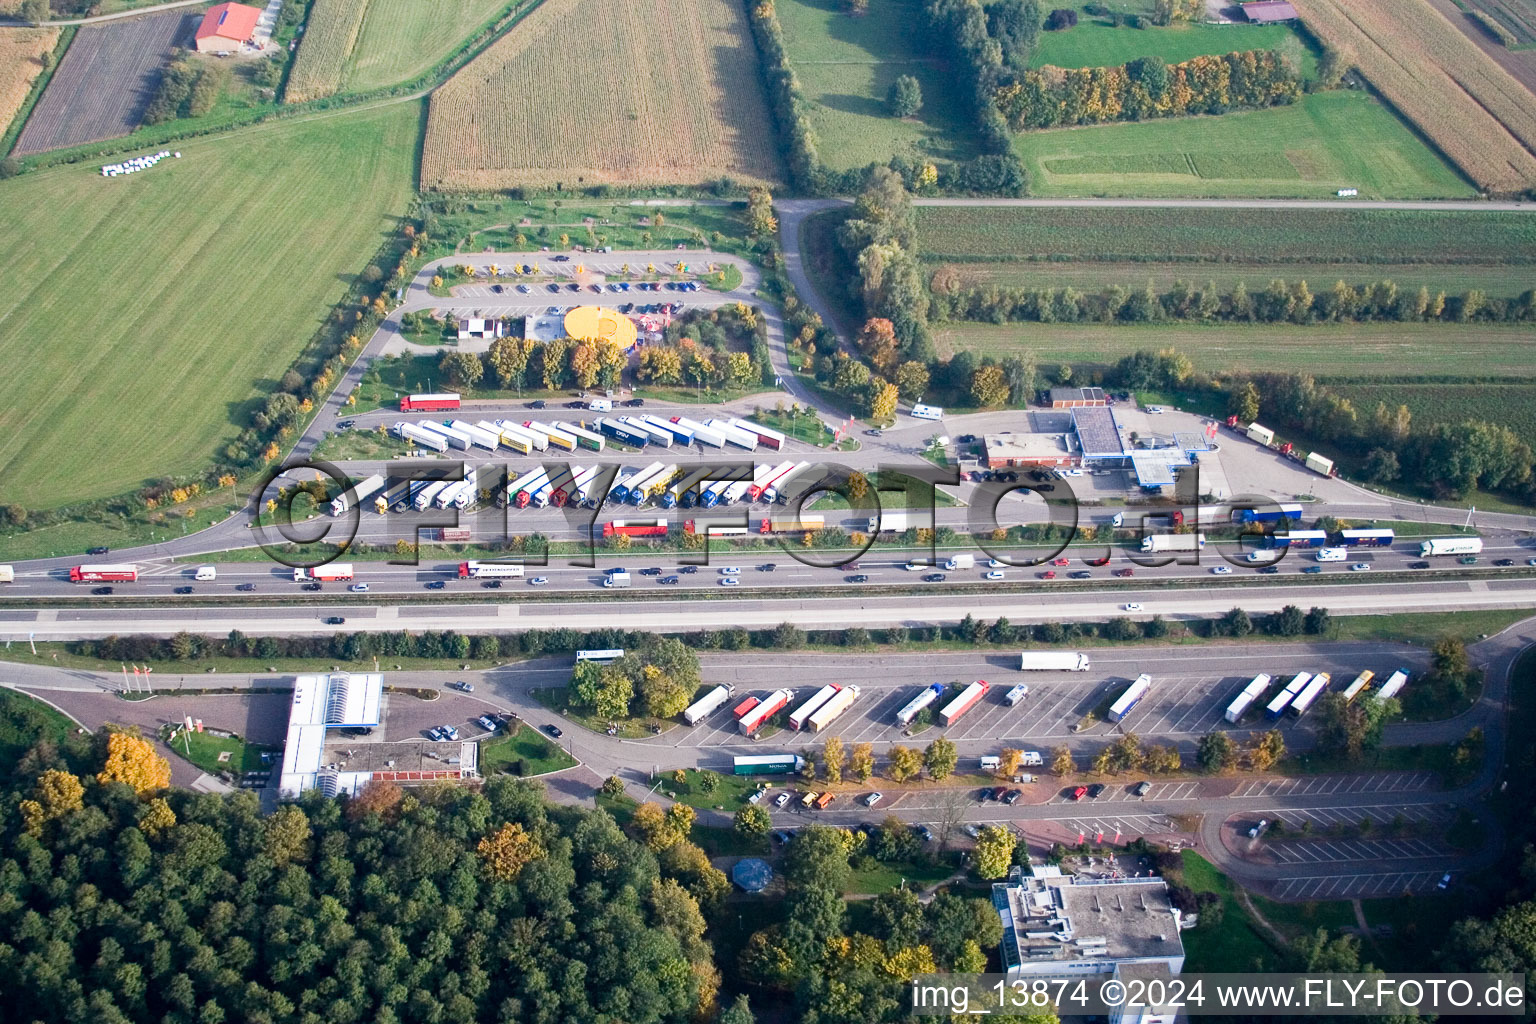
357	494
802	714
1165	542
840	702
1450	546
1243	701
1053	661
1130	698
429	403
963	702
707	705
928	695
771	705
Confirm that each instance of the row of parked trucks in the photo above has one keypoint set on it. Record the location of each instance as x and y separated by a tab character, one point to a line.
1298	695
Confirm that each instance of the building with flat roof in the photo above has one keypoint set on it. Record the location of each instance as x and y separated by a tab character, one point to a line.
1010	449
1077	398
1058	924
1267	12
1098	435
316	757
482	329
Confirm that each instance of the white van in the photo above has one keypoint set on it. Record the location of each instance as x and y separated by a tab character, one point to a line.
7	574
991	763
205	574
1031	759
1333	554
927	412
600	405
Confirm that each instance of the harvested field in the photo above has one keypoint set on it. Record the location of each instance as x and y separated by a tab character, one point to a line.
322	58
105	81
21	61
1479	116
1517	16
589	92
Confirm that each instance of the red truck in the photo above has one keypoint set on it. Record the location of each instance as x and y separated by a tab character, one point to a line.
429	403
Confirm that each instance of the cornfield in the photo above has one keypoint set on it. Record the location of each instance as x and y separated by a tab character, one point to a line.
590	92
328	40
21	61
1479	116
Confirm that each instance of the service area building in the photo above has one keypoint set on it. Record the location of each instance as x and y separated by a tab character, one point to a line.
1078	398
1008	449
1057	924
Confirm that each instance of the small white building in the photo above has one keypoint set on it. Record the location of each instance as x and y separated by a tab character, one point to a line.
477	329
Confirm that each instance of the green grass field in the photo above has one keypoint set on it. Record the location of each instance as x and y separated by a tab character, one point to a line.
401	39
145	318
538	755
1095	43
1339	349
1327	141
1201	235
845	66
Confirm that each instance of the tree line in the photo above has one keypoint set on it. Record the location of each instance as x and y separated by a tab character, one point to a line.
1147	87
188	88
1278	302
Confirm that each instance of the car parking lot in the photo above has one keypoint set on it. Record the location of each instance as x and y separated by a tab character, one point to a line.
1356	886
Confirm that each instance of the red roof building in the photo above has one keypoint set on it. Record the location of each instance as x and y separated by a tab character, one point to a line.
226	27
1264	12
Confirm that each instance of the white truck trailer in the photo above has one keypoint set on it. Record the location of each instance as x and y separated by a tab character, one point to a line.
357	494
1053	661
707	705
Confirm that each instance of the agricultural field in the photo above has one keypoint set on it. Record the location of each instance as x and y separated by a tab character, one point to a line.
1493	350
401	39
1518	17
1095	42
1511	403
106	320
1325	142
1457	95
21	61
325	49
105	81
1194	234
846	66
1501	281
669	91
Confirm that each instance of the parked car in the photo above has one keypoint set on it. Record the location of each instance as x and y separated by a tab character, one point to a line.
537	403
357	730
1142	788
1013	796
1094	790
781	800
97	551
1257	830
966	439
463	687
554	730
999	792
972	831
1079	792
924	831
635	403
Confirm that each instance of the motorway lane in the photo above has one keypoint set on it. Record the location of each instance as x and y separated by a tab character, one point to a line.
870	610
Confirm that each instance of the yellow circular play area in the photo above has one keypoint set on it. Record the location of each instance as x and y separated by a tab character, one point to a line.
598	323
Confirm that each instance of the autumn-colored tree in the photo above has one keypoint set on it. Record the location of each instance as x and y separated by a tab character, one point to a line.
1009	762
994	851
877	340
903	763
132	759
54	795
509	358
912	380
882	399
379	797
660	364
752	820
989	386
1265	749
507	851
584	365
940	758
1061	761
760	218
861	763
156	817
833	759
286	835
908	963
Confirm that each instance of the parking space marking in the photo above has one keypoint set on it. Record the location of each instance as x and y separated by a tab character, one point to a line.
1390	883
